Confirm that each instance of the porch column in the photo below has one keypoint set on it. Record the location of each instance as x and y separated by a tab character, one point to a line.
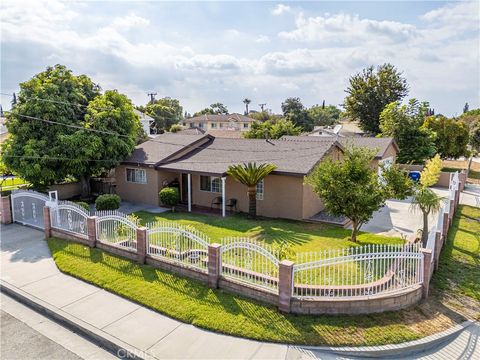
189	182
223	196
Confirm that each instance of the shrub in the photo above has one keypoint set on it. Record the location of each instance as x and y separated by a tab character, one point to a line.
169	196
84	205
431	171
107	202
175	128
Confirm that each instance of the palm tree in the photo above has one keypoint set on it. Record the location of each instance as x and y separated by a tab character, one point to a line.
427	201
250	175
246	101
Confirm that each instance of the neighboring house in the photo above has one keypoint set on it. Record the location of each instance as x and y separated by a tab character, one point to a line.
207	122
148	123
198	165
216	133
344	128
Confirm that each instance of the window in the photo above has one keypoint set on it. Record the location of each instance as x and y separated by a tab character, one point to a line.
200	125
137	176
260	189
221	125
213	125
210	183
245	125
192	124
184	123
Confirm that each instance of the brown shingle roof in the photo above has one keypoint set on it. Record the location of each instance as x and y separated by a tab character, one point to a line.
370	142
160	148
291	156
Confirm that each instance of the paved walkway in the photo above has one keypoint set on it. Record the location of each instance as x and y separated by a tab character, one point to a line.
26	264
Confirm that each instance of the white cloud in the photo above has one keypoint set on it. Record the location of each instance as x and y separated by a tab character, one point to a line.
130	21
461	15
346	28
262	39
281	9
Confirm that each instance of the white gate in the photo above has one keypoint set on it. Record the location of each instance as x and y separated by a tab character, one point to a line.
27	207
68	216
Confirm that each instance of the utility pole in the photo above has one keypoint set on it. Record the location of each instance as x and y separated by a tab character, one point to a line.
152	97
262	106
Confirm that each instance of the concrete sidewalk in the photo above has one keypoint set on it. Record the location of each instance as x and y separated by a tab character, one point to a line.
28	269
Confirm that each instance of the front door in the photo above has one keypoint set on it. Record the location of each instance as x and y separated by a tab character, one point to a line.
184	192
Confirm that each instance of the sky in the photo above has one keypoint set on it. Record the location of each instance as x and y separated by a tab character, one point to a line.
207	52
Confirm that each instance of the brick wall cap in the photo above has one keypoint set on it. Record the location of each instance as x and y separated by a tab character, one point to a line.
287	263
215	245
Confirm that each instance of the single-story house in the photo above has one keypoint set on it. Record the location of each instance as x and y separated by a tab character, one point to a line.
198	165
230	122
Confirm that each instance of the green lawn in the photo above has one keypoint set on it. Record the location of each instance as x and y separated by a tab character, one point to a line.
12	183
300	235
192	302
458	276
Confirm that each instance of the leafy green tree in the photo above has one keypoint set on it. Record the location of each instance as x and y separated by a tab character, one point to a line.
216	108
427	201
264	116
294	111
370	91
349	188
250	175
404	124
36	150
322	115
272	129
398	184
452	136
93	152
165	111
247	102
431	172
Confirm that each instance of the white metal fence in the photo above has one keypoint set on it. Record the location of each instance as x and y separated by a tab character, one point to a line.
177	243
358	271
68	216
27	207
250	262
117	229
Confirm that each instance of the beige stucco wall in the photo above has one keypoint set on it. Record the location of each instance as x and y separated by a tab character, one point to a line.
140	193
390	152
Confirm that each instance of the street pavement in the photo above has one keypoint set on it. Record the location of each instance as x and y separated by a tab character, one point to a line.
26	264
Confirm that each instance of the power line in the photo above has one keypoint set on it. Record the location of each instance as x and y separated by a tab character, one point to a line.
70	125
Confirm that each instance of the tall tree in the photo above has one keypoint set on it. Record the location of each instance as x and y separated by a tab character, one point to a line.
216	108
452	136
272	129
36	149
427	201
370	91
250	175
349	188
294	111
94	152
246	101
404	124
324	115
165	111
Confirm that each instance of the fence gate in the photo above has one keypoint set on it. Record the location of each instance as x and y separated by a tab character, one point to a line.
27	207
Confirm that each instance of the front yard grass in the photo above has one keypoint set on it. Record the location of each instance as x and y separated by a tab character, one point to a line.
455	296
300	236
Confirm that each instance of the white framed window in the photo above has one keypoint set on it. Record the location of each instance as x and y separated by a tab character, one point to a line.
211	184
221	125
213	125
245	125
136	176
200	125
260	189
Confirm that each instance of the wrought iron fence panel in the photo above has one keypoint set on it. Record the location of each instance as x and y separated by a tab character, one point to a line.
177	243
117	229
359	271
250	262
69	216
28	206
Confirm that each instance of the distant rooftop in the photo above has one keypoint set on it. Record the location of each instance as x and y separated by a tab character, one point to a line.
221	118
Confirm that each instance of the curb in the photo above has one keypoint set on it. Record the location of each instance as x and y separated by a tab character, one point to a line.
99	337
403	349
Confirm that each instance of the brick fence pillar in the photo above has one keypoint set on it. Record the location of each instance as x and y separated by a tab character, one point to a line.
438	247
92	230
457	198
285	285
427	270
452	211
214	264
462	177
47	222
5	210
141	244
446	226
